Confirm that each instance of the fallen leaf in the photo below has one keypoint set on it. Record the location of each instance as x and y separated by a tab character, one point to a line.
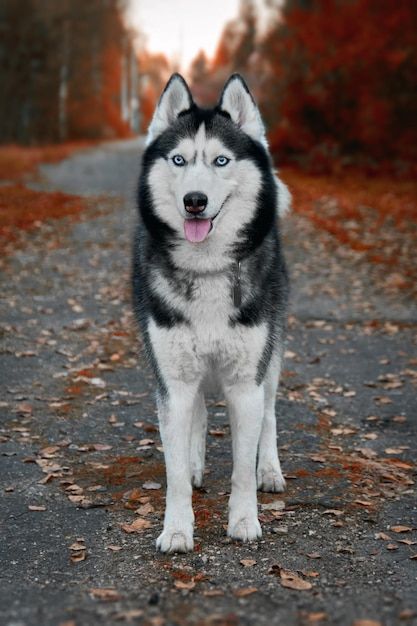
276	505
128	616
314	555
383	536
182	584
106	594
366	622
247	562
77	546
292	581
400	529
313	618
98	447
145	509
317	458
244	591
392	546
35	507
136	526
114	548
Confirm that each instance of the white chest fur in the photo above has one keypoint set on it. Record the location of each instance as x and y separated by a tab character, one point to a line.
191	351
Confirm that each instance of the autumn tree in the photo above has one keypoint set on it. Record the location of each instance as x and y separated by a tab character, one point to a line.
69	70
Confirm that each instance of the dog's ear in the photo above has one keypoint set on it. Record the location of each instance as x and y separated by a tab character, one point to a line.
175	98
237	101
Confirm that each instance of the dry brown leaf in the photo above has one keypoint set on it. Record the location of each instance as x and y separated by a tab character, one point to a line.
244	591
366	622
292	581
317	458
76	557
101	447
276	505
35	507
137	526
400	529
145	509
128	616
106	594
77	546
183	584
247	562
392	546
383	536
313	618
113	548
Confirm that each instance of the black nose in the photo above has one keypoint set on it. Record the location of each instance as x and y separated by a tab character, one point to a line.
195	202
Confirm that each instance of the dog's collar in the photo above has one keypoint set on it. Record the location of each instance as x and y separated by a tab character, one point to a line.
237	287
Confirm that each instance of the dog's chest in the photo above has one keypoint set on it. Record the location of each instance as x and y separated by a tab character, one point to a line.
208	338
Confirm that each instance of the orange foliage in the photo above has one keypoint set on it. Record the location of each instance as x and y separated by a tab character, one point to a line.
357	210
16	161
335	79
22	208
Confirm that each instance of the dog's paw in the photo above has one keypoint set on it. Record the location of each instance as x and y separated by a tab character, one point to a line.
175	540
270	479
245	529
197	477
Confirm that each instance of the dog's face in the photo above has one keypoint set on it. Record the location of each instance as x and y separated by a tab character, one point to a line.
208	170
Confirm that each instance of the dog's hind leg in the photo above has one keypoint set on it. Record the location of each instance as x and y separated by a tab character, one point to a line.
245	403
269	474
198	441
175	418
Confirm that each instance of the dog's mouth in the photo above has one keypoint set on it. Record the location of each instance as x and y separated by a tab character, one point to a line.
197	229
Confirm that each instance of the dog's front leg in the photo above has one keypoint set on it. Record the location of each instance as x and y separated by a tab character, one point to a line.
246	405
175	417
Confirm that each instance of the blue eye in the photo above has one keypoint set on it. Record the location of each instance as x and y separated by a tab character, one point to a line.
221	161
179	160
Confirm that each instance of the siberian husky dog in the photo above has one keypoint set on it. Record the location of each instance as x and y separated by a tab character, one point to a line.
210	295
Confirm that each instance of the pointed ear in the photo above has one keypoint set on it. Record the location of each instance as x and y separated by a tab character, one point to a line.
237	101
175	98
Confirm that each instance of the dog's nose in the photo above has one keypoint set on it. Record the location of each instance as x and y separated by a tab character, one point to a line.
195	202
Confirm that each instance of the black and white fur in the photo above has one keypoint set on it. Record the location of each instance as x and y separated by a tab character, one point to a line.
193	329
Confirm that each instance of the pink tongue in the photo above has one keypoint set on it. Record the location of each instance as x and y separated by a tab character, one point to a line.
196	230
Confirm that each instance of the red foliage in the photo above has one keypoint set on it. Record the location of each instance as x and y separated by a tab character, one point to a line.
22	208
335	79
374	216
16	161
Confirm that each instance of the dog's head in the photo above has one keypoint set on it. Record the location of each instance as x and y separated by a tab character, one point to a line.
208	171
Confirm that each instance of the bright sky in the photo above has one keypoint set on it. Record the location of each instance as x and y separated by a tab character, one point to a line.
181	28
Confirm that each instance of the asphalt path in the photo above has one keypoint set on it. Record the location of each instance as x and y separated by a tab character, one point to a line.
82	473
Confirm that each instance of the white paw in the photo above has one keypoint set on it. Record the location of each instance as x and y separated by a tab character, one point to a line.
175	540
270	479
245	529
197	477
